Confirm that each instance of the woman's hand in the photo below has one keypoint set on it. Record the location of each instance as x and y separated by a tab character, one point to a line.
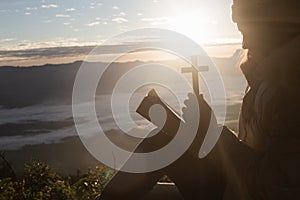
206	118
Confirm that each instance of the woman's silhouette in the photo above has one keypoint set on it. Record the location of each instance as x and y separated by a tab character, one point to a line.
264	161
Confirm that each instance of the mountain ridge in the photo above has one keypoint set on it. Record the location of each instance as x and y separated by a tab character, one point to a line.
27	86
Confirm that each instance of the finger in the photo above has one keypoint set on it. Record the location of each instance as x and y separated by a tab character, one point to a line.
190	95
186	102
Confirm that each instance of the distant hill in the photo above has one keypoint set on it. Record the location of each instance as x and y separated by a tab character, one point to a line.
26	86
230	66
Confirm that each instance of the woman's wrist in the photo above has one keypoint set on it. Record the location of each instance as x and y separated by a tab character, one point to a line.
221	153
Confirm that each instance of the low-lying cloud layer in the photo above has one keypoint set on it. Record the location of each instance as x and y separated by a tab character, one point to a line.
11	57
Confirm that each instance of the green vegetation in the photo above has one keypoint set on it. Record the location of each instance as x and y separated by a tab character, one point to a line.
39	182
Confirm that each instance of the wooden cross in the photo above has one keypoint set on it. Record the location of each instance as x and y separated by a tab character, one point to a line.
194	72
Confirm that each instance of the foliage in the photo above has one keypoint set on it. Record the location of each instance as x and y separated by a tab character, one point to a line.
7	189
40	182
89	185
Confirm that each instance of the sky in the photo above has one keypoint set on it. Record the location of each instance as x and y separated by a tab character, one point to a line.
35	24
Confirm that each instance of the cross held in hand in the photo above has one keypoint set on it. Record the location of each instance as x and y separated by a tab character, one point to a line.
194	72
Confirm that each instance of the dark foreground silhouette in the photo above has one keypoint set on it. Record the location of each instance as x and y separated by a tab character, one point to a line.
264	161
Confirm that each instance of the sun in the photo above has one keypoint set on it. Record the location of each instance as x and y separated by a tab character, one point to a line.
196	19
197	27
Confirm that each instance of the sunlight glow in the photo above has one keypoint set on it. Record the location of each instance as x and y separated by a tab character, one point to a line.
199	28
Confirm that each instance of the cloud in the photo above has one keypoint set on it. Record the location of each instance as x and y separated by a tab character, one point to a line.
71	48
47	21
50	6
122	14
115	8
28	54
119	20
66	23
156	20
31	8
46	53
123	28
27	13
100	20
7	40
62	15
70	9
139	14
93	24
